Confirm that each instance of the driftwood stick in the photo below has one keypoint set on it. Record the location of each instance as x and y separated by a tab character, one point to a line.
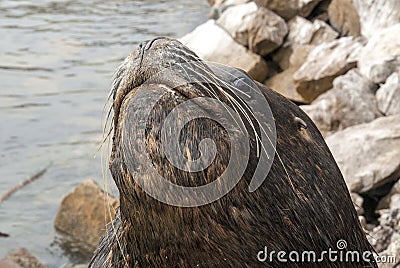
11	191
4	234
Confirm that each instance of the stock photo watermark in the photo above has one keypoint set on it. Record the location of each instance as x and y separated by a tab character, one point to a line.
339	254
243	100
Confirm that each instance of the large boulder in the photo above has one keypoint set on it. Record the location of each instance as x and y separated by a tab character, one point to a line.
289	8
283	82
220	6
85	212
257	28
377	15
303	32
381	56
344	18
388	95
324	63
210	42
368	154
351	102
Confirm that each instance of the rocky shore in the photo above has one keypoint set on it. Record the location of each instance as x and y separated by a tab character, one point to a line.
339	60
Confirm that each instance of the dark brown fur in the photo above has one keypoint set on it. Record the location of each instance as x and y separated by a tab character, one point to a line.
302	205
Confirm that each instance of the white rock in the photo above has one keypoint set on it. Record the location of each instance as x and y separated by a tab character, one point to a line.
212	43
305	32
388	95
258	28
368	154
376	15
351	102
381	56
221	6
233	19
325	62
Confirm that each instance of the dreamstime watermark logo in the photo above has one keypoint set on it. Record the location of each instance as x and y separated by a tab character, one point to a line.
243	101
338	254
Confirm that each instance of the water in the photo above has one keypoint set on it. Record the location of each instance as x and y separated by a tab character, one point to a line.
56	63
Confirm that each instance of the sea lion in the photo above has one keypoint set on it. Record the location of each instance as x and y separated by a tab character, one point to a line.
302	206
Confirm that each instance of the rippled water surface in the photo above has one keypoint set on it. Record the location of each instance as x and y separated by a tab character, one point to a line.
56	63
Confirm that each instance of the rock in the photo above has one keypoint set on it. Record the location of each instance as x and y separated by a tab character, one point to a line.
220	6
236	21
258	28
388	230
290	8
84	213
392	254
218	3
299	55
21	259
324	63
301	40
388	95
358	203
368	154
210	42
381	56
351	102
344	18
303	32
391	200
377	15
283	83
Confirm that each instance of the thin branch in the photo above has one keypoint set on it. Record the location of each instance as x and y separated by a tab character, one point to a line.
11	191
4	234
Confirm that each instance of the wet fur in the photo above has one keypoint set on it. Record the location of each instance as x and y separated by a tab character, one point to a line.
302	205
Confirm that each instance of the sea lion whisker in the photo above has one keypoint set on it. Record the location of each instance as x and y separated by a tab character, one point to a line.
235	103
212	93
261	128
258	138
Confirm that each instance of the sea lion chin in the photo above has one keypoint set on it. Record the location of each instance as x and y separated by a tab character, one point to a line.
303	204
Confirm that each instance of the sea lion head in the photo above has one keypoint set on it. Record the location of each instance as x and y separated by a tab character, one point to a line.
162	74
161	165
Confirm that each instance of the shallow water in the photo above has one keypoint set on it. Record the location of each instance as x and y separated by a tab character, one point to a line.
56	65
